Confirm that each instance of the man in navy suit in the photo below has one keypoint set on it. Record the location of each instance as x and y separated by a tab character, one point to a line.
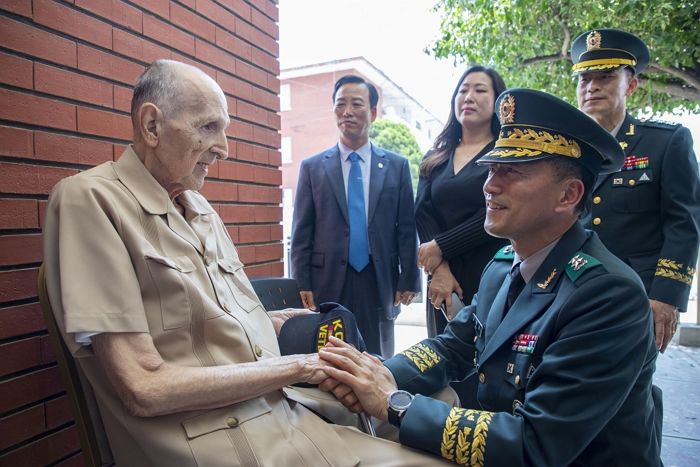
354	234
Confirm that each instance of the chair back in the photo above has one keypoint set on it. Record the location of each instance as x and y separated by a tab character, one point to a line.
93	439
277	293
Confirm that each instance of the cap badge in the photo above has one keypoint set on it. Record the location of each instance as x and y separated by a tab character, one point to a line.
506	110
593	40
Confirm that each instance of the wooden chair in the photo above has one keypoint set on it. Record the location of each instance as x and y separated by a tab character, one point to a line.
277	293
93	440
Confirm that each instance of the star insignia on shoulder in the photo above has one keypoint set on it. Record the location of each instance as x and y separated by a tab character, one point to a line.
577	262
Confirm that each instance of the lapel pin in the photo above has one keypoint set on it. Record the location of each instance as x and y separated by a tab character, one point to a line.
545	284
380	165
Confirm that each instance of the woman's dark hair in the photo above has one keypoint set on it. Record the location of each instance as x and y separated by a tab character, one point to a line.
451	134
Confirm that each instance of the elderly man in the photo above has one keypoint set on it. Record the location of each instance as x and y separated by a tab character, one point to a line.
559	332
151	297
647	213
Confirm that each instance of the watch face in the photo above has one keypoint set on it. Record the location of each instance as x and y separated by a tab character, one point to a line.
400	400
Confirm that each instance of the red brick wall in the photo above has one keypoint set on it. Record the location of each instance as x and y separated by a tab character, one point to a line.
66	73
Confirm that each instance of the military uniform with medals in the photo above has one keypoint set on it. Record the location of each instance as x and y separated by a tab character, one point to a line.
647	213
565	373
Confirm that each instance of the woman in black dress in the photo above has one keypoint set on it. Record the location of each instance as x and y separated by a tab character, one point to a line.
450	206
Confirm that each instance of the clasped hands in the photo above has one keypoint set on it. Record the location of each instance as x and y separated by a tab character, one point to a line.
357	379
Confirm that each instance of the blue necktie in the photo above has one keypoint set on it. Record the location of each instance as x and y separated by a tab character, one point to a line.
358	255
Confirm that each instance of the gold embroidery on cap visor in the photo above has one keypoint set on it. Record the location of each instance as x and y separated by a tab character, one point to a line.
526	142
593	40
603	64
506	110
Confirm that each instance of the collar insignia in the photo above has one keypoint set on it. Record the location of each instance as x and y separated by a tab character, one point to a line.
545	284
577	262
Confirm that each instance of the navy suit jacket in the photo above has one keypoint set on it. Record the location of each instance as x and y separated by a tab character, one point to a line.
320	231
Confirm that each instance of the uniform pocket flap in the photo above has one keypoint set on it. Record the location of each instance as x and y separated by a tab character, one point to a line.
225	417
229	265
180	263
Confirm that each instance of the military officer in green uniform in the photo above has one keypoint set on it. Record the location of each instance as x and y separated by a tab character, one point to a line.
647	213
559	333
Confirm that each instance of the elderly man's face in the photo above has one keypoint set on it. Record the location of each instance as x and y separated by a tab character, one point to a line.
192	136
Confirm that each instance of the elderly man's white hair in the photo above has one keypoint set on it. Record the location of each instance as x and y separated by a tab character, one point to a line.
161	84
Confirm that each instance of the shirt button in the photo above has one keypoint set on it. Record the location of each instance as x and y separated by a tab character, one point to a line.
632	182
258	351
232	422
597	199
517	379
597	221
482	377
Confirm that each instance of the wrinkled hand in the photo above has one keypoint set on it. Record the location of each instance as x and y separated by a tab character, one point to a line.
359	377
307	299
279	317
429	256
665	323
405	297
441	286
314	370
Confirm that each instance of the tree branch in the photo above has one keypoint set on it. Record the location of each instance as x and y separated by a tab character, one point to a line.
567	36
689	78
544	58
563	52
676	90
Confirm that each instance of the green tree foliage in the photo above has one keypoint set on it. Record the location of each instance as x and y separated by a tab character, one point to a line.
529	41
398	138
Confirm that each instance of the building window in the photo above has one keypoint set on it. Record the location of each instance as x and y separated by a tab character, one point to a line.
285	98
286	150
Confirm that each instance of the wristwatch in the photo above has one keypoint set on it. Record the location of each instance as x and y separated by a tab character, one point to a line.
398	402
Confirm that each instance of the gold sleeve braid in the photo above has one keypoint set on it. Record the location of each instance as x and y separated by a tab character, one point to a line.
673	270
422	356
465	445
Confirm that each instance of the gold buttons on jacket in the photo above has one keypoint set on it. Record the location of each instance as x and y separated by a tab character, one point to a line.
632	182
597	199
258	350
597	221
232	422
482	377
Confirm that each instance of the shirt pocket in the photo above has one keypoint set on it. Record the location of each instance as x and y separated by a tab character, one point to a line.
169	275
231	435
634	191
238	283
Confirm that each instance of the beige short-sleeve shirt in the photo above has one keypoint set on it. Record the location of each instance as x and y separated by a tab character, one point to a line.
120	258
